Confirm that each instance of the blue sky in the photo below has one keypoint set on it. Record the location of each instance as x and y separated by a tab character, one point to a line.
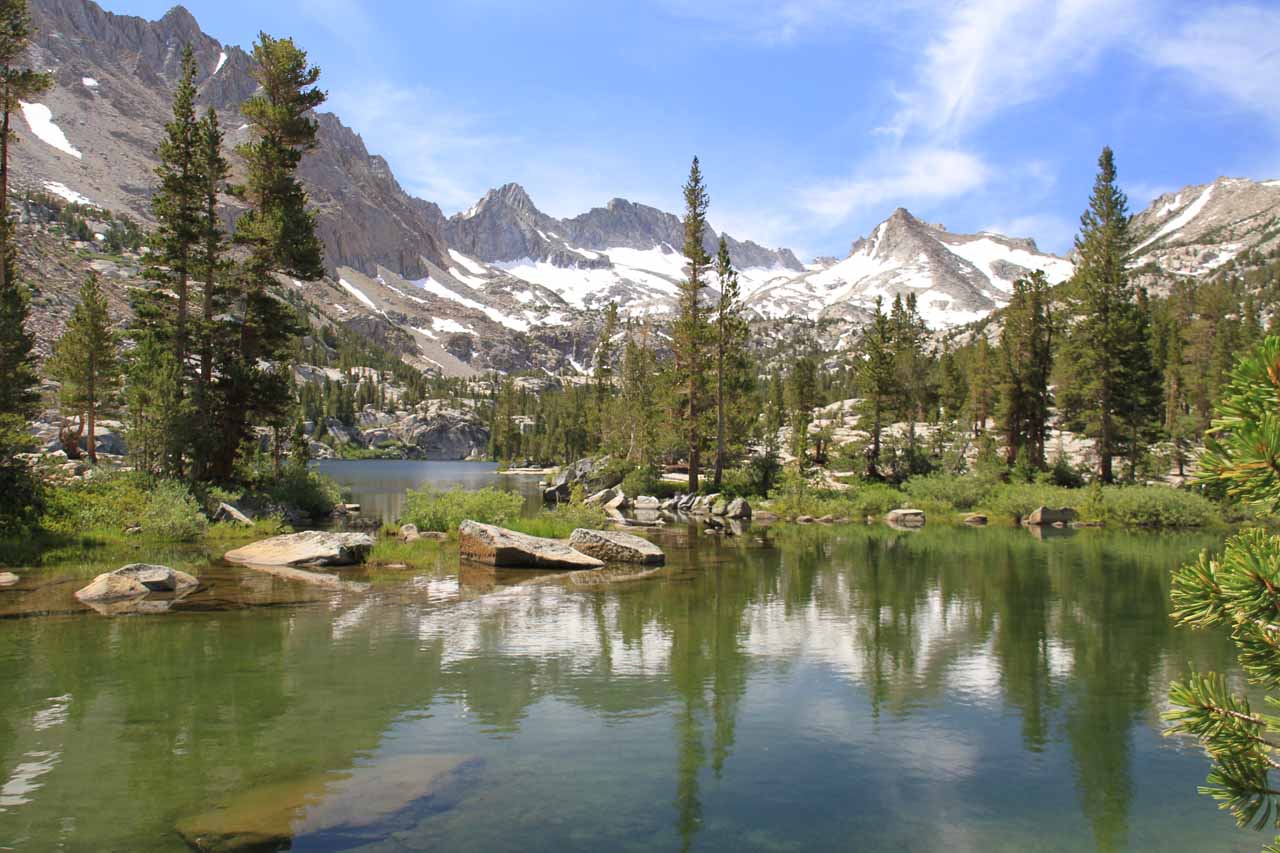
814	119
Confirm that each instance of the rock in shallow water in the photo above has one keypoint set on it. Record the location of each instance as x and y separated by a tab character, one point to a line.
8	579
497	546
126	590
311	548
911	518
613	546
270	817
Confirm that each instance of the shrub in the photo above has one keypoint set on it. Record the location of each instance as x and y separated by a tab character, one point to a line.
297	488
1015	501
948	491
432	509
798	497
114	503
1157	506
640	481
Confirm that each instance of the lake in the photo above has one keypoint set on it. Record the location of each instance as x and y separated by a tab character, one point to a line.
379	485
795	688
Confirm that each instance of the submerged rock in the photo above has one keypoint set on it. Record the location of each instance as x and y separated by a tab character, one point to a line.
614	546
905	518
497	546
311	548
270	817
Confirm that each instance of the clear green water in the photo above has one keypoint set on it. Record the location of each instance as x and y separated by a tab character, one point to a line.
794	689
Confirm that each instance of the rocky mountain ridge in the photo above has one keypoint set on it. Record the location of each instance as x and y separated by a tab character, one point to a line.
505	286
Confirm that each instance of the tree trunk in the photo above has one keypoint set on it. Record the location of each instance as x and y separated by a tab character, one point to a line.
92	439
4	184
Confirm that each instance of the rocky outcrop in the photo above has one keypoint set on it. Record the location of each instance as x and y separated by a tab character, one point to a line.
1046	517
497	546
310	548
444	434
613	546
908	518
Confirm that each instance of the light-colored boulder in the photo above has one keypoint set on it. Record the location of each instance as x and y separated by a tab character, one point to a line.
136	581
310	548
618	502
614	546
409	533
497	546
976	520
647	502
1044	516
806	519
905	518
738	509
228	513
8	579
601	497
720	507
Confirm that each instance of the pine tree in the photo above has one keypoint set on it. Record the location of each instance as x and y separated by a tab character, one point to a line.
690	332
215	333
878	382
1239	591
602	371
1025	363
85	363
164	308
17	83
155	407
1107	350
277	234
802	398
730	344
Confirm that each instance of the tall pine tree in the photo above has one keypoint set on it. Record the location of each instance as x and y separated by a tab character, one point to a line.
730	349
1108	349
17	83
277	235
690	332
877	381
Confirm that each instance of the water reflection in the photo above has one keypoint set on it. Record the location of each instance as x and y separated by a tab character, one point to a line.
802	688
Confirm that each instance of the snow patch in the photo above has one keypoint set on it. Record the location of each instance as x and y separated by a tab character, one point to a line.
65	192
474	267
222	60
444	324
40	120
1182	219
89	82
358	294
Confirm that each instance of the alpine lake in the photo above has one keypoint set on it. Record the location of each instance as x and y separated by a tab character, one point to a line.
851	687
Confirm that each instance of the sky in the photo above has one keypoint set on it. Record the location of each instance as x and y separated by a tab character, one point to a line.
813	119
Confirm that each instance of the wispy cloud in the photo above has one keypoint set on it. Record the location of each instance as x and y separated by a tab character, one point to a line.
1229	51
439	153
1051	233
991	55
898	177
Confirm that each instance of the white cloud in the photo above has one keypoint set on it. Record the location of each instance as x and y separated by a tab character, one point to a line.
899	177
784	21
1231	51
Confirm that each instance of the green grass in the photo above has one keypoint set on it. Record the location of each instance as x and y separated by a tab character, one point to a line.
558	523
388	551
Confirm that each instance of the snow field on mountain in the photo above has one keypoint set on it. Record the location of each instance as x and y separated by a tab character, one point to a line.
40	120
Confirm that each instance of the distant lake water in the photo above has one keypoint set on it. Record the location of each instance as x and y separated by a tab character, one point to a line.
794	688
379	485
